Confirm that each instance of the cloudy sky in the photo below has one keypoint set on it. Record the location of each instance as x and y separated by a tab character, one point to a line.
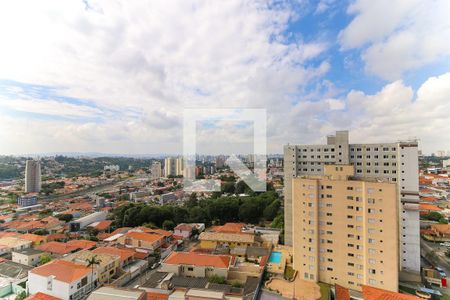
115	76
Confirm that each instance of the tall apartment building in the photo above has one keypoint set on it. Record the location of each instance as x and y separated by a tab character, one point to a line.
32	176
173	166
345	230
179	166
156	170
395	162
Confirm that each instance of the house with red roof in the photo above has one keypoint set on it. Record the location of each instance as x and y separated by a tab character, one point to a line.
57	248
62	279
41	296
194	264
141	240
426	208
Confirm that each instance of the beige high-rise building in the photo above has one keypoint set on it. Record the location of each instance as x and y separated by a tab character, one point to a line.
179	166
345	230
32	176
156	170
173	166
395	162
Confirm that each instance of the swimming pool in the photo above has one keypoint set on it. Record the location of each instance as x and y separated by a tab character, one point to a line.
275	257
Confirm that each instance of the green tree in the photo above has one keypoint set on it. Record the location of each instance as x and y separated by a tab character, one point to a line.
432	216
271	211
241	187
228	187
91	263
65	217
168	225
249	212
217	279
278	221
198	215
44	259
21	296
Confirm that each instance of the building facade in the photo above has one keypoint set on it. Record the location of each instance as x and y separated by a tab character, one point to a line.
32	176
345	230
395	162
156	170
25	201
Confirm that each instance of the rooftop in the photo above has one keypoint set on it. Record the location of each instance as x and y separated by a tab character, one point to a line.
29	251
65	271
227	237
196	259
107	293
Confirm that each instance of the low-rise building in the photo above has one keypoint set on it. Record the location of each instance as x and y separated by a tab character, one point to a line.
10	243
58	249
126	255
107	293
35	239
141	240
192	264
29	257
107	267
211	240
183	230
62	279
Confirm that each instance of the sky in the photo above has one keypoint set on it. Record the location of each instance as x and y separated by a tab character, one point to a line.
116	76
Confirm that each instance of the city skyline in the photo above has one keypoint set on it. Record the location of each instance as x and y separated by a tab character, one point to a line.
96	76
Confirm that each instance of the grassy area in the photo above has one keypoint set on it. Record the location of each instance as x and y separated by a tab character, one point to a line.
324	291
445	297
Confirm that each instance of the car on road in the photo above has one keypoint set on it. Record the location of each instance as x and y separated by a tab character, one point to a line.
446	244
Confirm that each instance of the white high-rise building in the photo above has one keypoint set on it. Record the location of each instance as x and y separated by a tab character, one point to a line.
32	176
156	170
395	162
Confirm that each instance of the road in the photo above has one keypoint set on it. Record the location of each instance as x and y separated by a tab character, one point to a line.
438	259
95	189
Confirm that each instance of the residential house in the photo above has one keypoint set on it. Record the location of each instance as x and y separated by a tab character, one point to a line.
183	230
109	292
62	279
41	296
107	267
35	239
126	255
212	240
29	257
9	244
142	240
193	264
58	249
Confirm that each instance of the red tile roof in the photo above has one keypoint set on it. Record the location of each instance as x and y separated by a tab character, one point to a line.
57	248
372	293
429	207
82	244
148	237
229	228
65	271
157	296
41	296
103	225
196	259
342	293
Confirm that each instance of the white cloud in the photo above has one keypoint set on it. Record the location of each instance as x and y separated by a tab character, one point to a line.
149	60
398	36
